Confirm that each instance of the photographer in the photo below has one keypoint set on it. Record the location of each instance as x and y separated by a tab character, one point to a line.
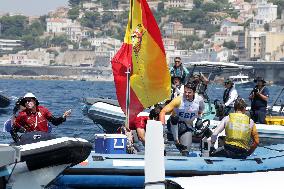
259	97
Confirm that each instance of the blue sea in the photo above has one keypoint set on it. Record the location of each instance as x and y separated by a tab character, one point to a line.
59	96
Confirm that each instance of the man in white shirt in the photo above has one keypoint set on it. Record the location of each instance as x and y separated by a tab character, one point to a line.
229	97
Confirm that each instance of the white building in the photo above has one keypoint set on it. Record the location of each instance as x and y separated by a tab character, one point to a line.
57	25
183	4
9	44
230	25
97	42
266	12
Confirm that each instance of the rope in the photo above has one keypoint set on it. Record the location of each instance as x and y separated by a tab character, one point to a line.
12	171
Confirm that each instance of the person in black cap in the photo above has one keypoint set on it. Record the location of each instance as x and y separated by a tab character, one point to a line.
229	97
259	97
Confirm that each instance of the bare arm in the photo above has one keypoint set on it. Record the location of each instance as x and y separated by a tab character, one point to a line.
169	108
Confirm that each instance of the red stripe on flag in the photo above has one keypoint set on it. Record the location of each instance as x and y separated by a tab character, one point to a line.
150	24
120	62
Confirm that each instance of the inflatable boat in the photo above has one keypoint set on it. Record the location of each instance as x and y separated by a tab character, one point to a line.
110	116
127	171
42	161
4	101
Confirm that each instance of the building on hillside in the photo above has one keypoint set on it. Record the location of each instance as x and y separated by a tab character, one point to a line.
57	25
170	44
9	44
230	25
266	13
60	12
97	42
221	37
176	29
272	46
242	45
278	24
183	4
200	33
254	45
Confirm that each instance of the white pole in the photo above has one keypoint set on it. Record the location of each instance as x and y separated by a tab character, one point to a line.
154	155
127	97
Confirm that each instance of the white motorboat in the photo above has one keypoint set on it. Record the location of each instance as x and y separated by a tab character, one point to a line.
242	80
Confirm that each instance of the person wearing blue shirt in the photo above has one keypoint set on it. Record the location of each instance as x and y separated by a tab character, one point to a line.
259	97
178	70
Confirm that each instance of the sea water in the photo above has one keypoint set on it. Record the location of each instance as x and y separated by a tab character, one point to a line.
59	96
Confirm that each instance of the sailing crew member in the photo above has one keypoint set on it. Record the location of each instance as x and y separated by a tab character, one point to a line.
240	131
177	87
178	70
201	83
259	97
140	122
229	97
184	109
34	118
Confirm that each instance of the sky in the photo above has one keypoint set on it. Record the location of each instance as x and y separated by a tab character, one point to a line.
30	7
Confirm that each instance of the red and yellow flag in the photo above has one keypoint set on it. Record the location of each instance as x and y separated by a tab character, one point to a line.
143	51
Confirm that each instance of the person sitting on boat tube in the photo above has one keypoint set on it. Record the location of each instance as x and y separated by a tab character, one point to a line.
185	109
140	122
177	87
34	118
241	134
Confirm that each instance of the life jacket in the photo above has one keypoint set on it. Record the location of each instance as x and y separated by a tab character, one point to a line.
226	94
188	110
238	131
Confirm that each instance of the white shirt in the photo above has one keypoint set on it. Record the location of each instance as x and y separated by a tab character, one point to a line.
233	95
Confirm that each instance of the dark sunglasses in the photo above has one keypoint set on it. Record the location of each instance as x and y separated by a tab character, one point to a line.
28	99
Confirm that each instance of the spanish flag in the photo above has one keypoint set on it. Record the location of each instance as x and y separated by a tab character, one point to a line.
143	52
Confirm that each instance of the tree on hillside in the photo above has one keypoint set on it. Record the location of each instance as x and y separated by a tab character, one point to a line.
13	26
35	29
91	19
198	3
73	13
266	27
74	3
230	44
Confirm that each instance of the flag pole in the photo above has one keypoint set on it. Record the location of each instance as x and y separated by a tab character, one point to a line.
128	77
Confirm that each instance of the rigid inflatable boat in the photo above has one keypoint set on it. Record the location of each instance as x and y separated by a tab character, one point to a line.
42	161
110	116
4	101
127	171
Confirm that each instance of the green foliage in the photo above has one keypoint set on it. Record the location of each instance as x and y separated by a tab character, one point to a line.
161	6
187	42
266	27
230	44
60	40
13	26
35	29
85	43
91	19
198	3
74	3
73	13
106	17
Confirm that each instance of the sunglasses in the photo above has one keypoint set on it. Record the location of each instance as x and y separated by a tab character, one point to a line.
28	99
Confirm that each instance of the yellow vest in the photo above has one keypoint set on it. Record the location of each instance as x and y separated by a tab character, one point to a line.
238	131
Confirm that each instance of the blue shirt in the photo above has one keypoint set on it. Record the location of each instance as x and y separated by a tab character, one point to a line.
257	102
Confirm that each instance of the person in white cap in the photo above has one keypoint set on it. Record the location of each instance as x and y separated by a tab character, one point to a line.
35	117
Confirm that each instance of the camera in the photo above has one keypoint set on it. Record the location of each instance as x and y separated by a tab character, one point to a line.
255	90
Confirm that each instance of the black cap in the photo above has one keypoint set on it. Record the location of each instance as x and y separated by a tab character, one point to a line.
259	79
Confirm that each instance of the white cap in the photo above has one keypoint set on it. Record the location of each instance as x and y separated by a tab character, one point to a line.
29	95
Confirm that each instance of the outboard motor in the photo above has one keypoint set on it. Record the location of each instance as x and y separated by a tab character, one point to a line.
202	129
219	107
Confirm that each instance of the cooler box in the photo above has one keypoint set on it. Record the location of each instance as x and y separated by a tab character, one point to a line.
110	143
